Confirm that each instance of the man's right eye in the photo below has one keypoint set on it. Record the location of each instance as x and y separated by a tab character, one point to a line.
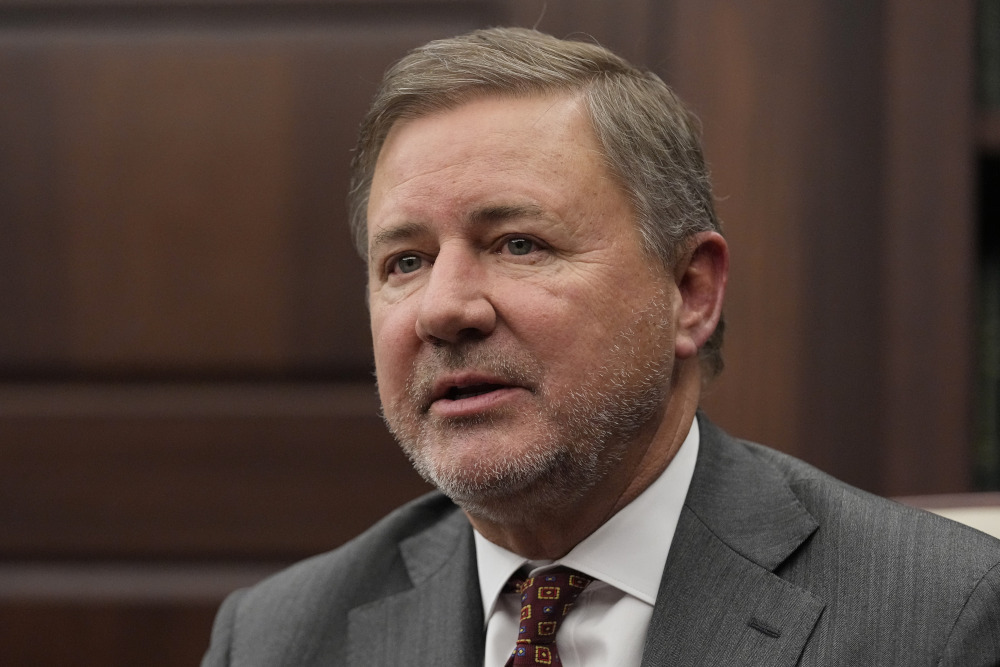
408	263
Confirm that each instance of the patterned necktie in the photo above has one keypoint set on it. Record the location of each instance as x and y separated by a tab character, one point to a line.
545	602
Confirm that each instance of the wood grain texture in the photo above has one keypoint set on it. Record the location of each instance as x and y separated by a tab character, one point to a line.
930	249
842	167
185	216
193	472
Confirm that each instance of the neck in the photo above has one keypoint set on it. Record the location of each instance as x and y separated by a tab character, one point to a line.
548	534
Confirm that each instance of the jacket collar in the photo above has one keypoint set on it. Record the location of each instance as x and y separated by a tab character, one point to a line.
439	621
720	601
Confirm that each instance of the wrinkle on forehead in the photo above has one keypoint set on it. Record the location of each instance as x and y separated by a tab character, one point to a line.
559	118
451	165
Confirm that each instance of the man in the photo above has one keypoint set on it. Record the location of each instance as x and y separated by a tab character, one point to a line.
546	278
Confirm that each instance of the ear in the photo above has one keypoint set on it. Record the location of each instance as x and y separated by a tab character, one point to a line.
701	276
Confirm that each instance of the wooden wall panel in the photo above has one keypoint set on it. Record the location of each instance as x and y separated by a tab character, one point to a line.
929	237
185	214
831	305
102	634
176	162
155	615
742	84
179	472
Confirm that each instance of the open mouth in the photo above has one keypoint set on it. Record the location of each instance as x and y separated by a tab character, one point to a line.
458	393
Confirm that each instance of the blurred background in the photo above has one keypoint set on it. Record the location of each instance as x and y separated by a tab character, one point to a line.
186	400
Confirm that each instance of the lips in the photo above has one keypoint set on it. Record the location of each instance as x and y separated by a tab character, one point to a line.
458	393
467	385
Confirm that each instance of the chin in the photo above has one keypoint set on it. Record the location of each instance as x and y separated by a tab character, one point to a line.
512	489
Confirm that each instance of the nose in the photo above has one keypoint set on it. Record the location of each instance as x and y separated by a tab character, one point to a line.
455	303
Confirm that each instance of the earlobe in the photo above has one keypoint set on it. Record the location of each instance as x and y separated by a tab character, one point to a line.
701	276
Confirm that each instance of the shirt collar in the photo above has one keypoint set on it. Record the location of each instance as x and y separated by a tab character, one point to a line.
628	551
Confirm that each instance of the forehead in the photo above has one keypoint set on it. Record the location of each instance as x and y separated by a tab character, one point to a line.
532	143
484	119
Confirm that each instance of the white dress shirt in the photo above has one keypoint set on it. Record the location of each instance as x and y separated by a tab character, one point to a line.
626	556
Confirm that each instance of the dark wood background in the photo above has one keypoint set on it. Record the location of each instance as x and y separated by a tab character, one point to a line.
185	392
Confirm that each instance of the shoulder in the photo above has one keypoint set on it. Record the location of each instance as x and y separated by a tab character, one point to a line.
889	570
350	567
898	582
302	610
853	520
873	520
838	508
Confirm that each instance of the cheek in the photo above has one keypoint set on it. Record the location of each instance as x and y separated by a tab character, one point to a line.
535	313
569	313
393	341
558	328
576	326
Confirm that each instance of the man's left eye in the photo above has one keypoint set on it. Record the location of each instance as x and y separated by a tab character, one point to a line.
520	246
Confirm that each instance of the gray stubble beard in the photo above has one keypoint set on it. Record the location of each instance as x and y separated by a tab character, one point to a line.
589	431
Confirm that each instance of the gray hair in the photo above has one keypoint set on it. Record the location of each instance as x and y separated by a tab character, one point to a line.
650	141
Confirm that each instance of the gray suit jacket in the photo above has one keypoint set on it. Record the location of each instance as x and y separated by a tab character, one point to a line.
774	563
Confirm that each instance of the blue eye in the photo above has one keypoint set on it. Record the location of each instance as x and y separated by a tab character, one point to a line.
520	246
409	263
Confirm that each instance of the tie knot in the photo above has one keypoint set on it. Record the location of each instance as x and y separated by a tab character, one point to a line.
558	577
546	599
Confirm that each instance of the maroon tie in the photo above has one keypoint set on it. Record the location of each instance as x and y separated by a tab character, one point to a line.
545	602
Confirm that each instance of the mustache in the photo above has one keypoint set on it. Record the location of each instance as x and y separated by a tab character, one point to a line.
514	367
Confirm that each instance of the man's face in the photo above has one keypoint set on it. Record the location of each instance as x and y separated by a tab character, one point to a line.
523	340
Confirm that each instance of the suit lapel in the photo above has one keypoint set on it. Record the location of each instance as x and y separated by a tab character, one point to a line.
439	621
719	600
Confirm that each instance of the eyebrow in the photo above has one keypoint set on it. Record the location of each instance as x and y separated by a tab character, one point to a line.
501	212
489	213
383	237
